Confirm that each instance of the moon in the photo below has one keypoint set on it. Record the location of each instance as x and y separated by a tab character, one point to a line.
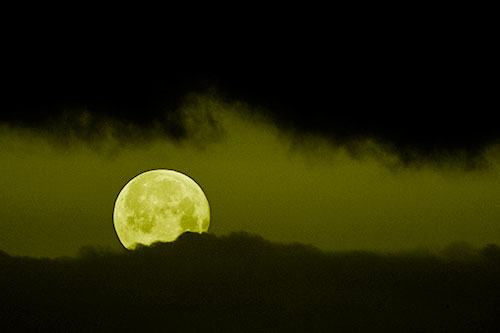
159	205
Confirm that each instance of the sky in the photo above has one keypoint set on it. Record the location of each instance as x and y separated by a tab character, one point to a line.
381	139
58	195
351	159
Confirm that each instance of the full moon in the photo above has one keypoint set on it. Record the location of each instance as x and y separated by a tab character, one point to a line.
159	205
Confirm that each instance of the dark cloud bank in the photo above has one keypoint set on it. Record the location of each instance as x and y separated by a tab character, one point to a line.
242	282
418	91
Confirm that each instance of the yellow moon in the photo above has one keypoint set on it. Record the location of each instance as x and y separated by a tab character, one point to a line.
159	205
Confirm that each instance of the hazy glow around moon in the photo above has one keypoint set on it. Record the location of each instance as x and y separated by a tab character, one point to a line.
159	205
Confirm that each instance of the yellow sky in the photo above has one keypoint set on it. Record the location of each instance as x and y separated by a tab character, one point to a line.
58	197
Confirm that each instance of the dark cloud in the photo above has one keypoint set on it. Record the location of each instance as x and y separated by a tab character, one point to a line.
420	92
242	282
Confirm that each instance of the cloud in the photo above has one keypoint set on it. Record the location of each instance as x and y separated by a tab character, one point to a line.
416	109
257	177
242	282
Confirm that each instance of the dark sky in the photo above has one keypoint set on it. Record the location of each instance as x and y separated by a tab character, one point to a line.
417	86
378	138
350	158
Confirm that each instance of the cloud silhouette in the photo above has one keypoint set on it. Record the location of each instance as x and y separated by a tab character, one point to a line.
242	282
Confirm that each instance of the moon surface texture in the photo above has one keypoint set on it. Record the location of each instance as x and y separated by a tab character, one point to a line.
159	205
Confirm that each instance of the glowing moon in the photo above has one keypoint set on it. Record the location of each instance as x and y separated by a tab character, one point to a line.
159	205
